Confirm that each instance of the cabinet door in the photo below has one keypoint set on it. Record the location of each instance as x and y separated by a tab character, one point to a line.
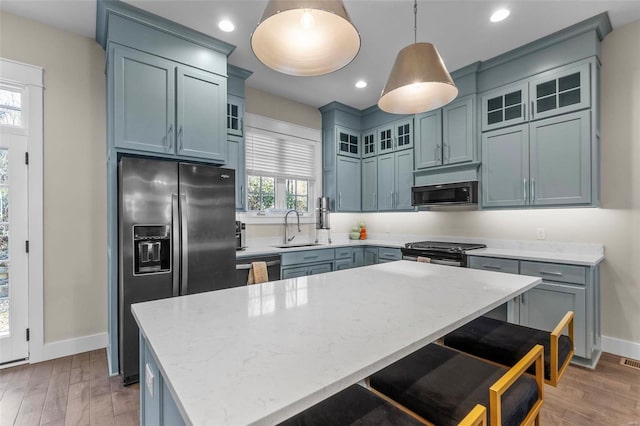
385	139
428	139
369	143
235	115
349	184
370	256
386	181
342	264
143	101
299	271
201	101
559	92
320	269
348	142
544	306
504	106
236	161
404	134
561	160
369	184
505	167
403	179
358	256
457	131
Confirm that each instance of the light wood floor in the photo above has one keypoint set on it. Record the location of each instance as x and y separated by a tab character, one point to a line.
78	391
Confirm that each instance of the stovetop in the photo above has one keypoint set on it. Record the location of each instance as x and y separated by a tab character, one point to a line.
444	246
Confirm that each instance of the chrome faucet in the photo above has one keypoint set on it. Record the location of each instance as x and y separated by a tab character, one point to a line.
286	216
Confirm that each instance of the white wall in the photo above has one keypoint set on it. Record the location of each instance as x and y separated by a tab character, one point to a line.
74	173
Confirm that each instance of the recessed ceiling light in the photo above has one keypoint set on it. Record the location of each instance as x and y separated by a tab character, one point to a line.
500	15
361	84
226	25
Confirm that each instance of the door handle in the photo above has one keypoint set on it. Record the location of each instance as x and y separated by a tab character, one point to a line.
170	138
533	190
524	189
180	139
175	231
184	228
532	111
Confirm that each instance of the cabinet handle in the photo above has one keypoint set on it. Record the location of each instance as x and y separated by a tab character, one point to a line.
497	268
532	111
533	190
523	298
241	128
353	257
170	137
340	199
375	200
524	110
180	139
554	274
524	189
242	195
438	153
391	199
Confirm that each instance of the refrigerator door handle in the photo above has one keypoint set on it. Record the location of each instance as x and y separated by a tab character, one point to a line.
175	256
184	227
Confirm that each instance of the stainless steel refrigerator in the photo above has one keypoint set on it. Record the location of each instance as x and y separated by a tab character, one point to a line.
176	236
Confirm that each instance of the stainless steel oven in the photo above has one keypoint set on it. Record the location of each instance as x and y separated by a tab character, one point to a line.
439	252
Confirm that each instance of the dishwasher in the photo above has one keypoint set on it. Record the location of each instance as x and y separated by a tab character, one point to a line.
243	266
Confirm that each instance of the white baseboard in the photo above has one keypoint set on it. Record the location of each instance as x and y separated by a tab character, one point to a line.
621	347
74	346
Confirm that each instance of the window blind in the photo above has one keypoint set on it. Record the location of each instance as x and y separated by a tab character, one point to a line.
280	155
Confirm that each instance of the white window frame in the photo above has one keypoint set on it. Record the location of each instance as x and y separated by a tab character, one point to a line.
315	187
23	90
30	79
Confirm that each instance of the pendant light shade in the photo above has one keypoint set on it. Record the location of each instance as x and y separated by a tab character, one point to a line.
305	37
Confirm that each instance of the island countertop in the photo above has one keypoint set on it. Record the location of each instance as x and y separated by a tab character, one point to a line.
262	353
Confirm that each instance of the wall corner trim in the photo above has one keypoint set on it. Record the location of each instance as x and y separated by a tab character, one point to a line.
621	347
73	346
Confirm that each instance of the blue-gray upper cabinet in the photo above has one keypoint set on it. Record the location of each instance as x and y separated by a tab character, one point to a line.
201	102
348	181
236	161
458	131
403	134
560	160
386	182
505	167
369	184
395	179
428	151
446	136
369	143
348	142
560	91
143	101
504	106
235	115
385	139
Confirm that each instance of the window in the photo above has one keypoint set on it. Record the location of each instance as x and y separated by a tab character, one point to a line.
10	107
280	169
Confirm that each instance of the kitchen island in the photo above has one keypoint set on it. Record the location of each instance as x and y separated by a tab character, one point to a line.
260	354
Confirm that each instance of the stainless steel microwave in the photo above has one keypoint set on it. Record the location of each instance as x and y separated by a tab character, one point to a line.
460	193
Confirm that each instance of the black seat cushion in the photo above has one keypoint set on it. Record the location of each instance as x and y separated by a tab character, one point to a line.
353	406
443	385
505	343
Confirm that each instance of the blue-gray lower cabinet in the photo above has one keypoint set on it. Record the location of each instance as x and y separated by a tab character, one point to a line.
201	100
157	406
348	181
308	262
142	101
342	264
388	254
236	161
295	272
358	256
564	288
370	256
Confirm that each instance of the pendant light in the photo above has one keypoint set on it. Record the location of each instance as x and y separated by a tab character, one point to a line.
419	80
305	37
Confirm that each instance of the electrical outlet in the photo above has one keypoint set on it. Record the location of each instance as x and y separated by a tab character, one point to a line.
540	233
148	377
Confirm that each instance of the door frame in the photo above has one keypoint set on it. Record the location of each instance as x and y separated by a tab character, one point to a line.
31	77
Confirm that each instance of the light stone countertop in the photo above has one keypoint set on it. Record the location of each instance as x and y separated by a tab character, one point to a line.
585	259
262	353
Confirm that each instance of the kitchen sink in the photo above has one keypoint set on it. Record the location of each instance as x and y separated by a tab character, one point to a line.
298	245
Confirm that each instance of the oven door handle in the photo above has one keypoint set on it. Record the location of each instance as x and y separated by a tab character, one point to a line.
445	262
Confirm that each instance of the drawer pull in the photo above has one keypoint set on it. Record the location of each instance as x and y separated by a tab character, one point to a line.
492	267
554	274
310	257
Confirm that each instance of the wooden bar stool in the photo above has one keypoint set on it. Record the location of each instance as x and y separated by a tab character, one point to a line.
441	385
357	406
505	343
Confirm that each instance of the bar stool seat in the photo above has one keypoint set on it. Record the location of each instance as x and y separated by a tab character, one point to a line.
353	406
505	343
442	385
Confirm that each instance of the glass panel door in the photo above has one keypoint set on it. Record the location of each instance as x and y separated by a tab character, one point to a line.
505	106
560	91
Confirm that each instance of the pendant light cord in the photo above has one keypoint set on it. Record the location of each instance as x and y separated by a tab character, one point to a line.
415	21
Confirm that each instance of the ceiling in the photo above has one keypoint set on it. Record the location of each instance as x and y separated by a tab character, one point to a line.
460	29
